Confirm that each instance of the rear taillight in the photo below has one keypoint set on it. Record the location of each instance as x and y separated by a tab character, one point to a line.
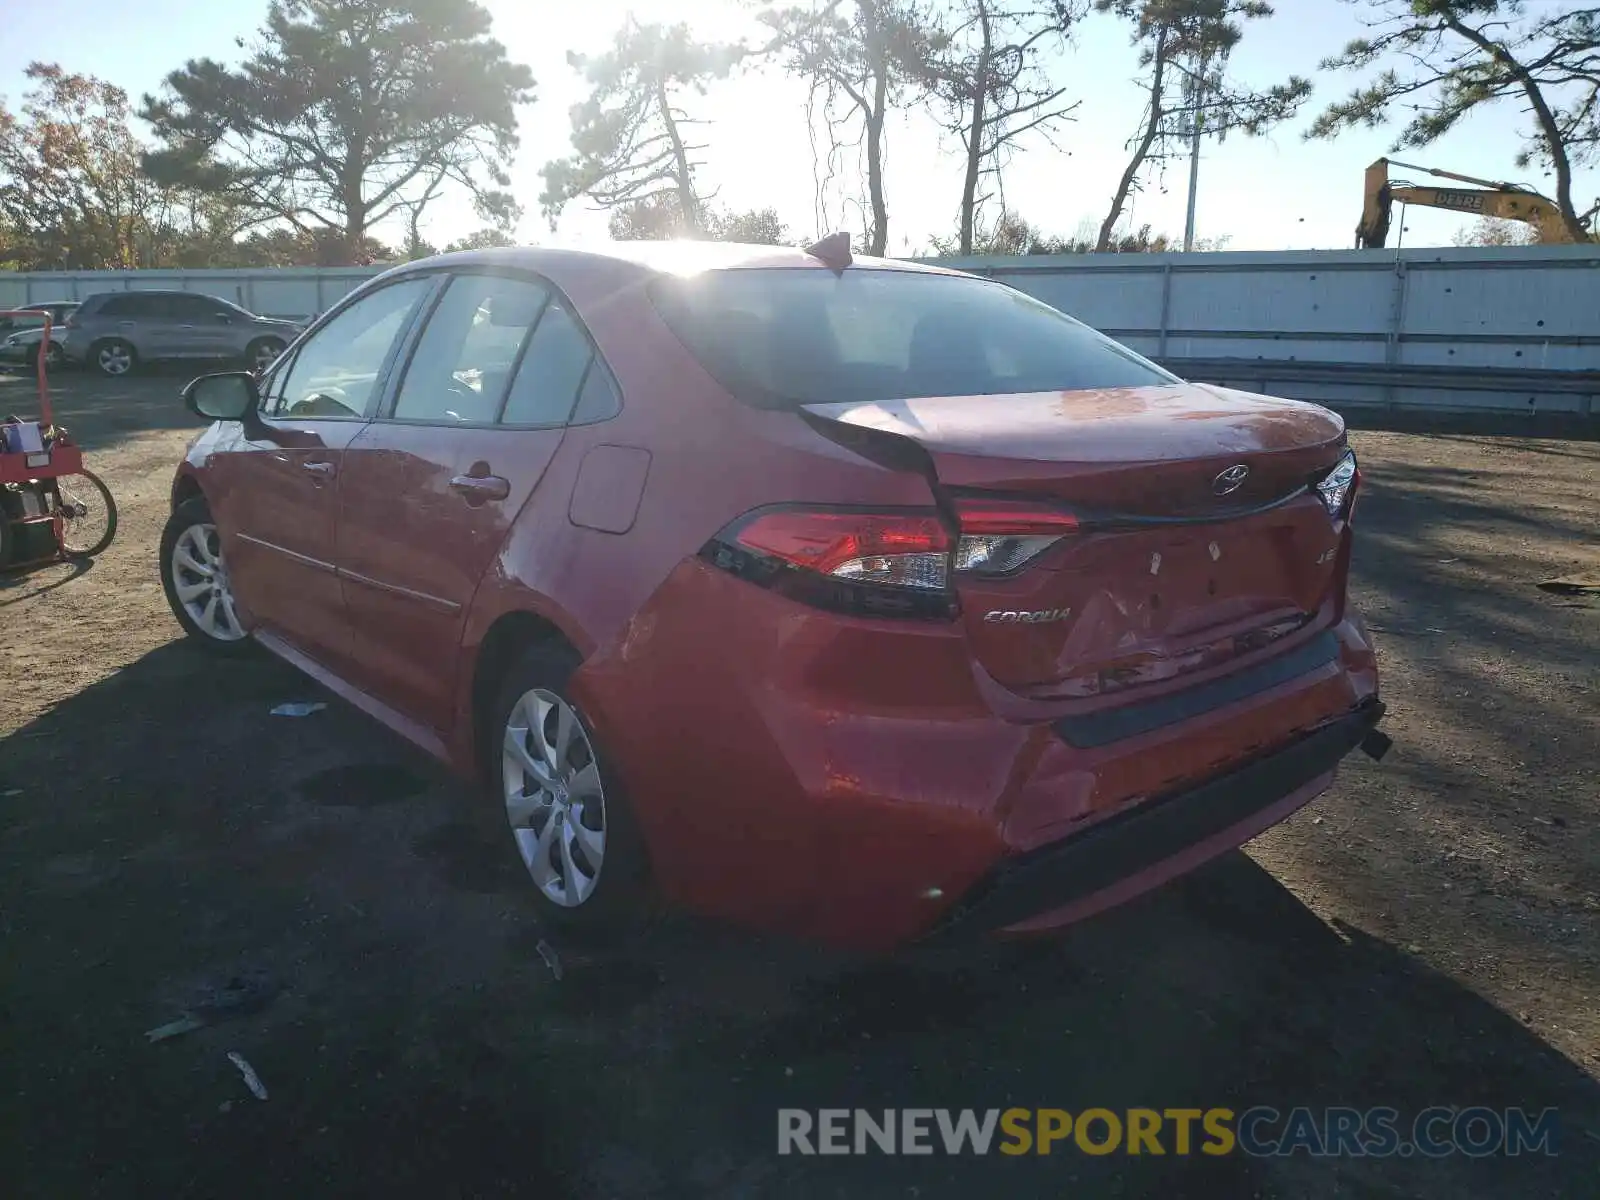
1000	537
878	563
1338	487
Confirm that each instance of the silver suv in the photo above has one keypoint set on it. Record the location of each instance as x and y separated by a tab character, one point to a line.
113	332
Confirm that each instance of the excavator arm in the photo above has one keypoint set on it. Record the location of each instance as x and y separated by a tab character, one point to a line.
1502	200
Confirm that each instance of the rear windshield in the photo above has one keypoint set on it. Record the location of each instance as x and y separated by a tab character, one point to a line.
778	338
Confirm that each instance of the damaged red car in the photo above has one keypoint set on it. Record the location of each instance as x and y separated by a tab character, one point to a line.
850	598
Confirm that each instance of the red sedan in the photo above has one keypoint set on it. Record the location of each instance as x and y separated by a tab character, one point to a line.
857	599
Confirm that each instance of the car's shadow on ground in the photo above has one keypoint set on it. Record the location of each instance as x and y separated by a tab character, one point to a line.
163	830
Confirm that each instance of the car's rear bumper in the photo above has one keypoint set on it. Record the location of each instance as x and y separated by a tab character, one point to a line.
852	781
1145	845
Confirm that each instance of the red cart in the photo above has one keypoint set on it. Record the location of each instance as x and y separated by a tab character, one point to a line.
51	506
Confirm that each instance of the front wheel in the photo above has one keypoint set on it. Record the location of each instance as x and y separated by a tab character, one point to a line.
194	576
563	804
88	514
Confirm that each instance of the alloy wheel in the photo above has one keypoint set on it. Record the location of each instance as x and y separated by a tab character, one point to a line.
200	580
554	797
115	359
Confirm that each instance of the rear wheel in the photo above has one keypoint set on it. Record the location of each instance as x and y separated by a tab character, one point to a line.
194	576
88	514
562	802
113	357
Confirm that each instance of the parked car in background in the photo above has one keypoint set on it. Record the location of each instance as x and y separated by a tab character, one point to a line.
57	310
20	337
852	598
113	332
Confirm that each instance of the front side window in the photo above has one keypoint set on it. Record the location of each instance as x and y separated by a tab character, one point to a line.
779	338
194	309
462	365
336	370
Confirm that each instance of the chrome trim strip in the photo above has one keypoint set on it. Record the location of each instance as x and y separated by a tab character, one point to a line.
438	602
303	559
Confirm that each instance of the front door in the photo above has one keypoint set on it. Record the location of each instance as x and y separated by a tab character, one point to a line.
201	328
431	487
276	499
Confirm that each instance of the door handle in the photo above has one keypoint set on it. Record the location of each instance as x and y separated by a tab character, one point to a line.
318	468
478	488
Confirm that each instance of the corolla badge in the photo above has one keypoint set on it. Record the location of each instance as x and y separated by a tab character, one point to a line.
1230	479
1041	616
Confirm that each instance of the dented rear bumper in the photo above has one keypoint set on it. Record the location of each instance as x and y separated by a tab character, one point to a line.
1163	837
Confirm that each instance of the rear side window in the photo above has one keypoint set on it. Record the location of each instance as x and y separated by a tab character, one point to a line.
462	365
597	399
778	338
131	304
552	372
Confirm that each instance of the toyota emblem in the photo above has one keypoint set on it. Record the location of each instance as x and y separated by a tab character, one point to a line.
1230	479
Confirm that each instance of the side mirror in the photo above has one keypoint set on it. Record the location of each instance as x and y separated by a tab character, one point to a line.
225	318
228	396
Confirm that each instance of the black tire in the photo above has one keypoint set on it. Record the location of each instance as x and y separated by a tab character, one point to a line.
108	350
255	352
193	514
620	901
84	488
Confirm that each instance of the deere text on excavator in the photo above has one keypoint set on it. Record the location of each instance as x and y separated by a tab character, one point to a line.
1506	200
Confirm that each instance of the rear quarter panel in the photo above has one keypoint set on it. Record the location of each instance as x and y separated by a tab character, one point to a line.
710	460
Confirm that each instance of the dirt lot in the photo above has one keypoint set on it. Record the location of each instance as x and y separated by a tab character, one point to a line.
1424	934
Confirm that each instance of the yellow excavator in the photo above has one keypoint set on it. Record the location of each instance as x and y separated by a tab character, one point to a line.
1491	199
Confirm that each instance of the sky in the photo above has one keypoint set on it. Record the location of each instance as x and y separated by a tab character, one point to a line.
1271	193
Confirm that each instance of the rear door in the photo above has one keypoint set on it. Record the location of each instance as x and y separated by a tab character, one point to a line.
140	318
432	486
276	499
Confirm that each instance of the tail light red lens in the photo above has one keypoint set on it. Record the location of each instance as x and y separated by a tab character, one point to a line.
874	546
885	563
867	563
1000	537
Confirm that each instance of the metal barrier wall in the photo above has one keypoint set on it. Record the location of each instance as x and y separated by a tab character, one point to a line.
284	292
1503	329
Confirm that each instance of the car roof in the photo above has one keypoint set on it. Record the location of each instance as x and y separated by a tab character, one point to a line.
149	292
678	257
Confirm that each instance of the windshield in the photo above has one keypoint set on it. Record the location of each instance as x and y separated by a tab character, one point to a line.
783	337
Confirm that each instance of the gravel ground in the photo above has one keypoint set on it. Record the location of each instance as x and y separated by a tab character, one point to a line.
1424	934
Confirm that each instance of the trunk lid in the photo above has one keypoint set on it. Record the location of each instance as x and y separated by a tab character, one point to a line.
1182	559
